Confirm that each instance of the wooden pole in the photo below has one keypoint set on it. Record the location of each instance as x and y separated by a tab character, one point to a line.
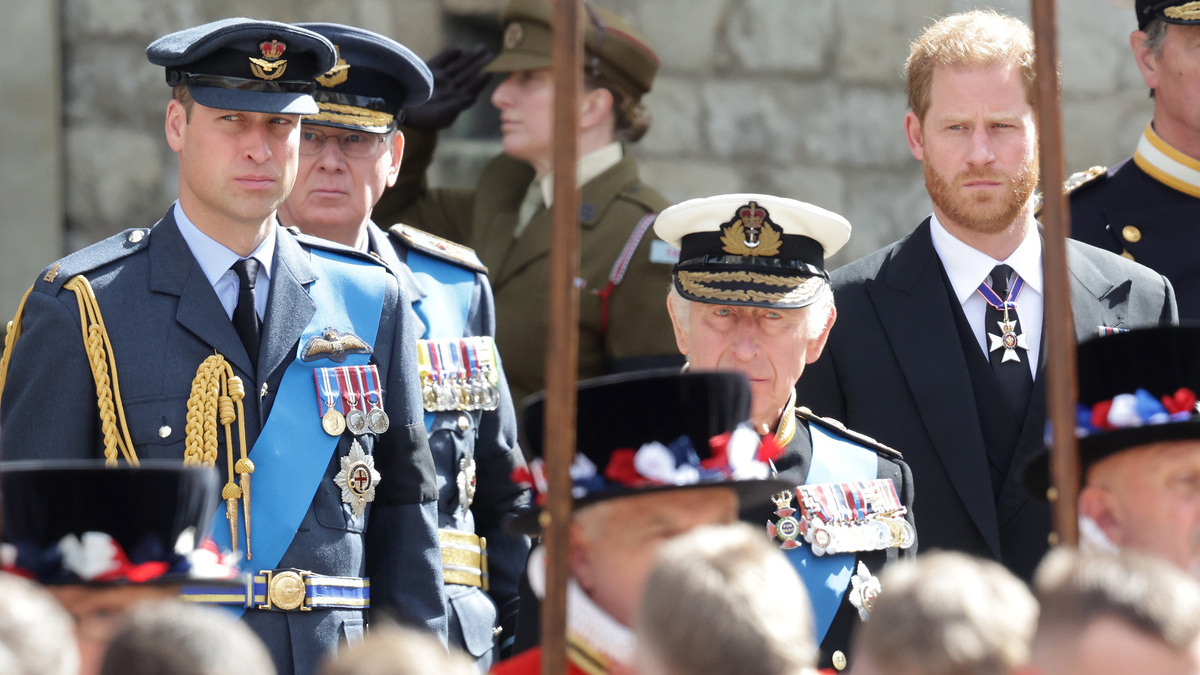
562	356
1059	348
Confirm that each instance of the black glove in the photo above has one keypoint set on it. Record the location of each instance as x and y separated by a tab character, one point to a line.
458	78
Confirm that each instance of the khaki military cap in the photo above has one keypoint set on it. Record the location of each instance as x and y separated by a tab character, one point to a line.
615	52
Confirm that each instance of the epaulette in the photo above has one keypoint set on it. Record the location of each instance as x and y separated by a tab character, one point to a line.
839	429
644	196
332	246
95	256
431	244
1094	176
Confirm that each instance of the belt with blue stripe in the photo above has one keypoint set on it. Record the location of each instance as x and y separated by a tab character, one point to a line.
286	590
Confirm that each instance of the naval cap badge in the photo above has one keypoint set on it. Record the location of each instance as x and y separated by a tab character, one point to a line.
357	479
751	232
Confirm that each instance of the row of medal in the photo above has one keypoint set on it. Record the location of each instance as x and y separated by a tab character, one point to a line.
349	397
843	518
458	374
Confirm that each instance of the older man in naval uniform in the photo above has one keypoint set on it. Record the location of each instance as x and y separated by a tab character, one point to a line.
218	337
750	294
349	151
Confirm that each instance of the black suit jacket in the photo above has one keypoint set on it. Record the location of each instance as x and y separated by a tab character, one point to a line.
895	369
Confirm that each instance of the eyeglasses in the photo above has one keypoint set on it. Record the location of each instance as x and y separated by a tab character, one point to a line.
353	144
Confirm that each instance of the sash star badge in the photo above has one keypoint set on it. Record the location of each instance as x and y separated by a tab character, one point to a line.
357	479
1009	339
864	588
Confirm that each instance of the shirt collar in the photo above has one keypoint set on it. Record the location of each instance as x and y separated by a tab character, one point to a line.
591	165
968	267
215	258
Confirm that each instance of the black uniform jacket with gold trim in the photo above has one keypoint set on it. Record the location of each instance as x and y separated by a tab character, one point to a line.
1127	211
163	319
793	466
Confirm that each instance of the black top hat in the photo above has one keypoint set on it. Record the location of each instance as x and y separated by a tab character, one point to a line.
751	249
1185	12
242	64
374	79
1135	388
655	431
75	522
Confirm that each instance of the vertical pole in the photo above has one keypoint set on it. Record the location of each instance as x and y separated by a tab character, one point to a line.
562	356
1061	390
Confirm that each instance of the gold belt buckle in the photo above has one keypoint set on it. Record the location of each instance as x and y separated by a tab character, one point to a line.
285	590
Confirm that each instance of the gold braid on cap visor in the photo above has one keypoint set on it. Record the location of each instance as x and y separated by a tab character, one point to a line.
696	284
350	114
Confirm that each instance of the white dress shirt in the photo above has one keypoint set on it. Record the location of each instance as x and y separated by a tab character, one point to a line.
968	267
216	259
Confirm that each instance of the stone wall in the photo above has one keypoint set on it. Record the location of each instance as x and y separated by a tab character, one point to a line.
801	98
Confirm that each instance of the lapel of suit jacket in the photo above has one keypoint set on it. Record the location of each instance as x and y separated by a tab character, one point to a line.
914	306
289	308
174	270
384	247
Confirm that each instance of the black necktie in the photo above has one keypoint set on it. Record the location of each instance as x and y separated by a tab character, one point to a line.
1013	373
245	317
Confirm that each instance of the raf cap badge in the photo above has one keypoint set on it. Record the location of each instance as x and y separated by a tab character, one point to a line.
337	74
751	232
270	66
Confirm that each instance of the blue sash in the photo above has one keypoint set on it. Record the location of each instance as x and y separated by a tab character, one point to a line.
293	451
834	460
449	290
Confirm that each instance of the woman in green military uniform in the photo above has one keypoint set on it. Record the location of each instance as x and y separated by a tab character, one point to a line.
623	324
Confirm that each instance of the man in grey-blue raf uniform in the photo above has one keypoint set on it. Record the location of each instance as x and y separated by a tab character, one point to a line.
349	152
219	337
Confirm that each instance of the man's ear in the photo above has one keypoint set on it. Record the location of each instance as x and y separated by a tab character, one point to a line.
1096	504
681	330
397	155
1146	59
915	135
176	124
579	555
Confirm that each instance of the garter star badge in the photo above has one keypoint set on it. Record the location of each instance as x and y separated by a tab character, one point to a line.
357	479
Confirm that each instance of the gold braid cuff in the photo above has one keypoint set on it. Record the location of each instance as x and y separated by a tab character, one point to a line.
216	398
10	339
99	349
696	283
350	114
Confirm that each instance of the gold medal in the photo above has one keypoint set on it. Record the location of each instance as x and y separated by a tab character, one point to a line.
333	422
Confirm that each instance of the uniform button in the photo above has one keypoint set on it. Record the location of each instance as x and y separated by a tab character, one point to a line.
136	236
839	660
463	423
1131	234
164	431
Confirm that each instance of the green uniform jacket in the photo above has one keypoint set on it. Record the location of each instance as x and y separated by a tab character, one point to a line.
639	330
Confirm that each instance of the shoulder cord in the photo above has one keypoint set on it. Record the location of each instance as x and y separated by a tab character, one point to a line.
620	266
100	354
216	393
10	339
